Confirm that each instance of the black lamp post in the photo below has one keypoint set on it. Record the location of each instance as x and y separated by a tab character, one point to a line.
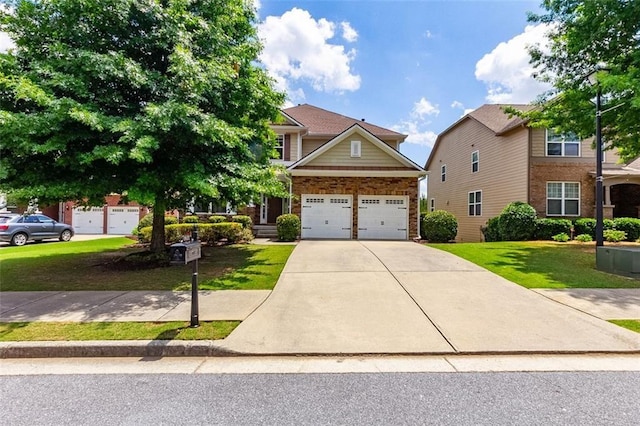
593	79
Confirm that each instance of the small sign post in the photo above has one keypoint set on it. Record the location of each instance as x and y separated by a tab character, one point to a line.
189	252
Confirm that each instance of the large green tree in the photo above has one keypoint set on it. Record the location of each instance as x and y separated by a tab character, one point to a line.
582	35
159	100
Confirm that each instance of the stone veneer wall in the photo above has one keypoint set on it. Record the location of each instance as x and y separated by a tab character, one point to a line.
542	173
359	186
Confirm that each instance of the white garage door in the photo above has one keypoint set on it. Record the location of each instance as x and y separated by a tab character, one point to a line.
122	220
326	216
89	221
383	217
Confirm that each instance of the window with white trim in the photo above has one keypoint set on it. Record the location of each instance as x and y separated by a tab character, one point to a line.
563	199
475	161
443	173
432	205
355	148
475	203
279	146
562	144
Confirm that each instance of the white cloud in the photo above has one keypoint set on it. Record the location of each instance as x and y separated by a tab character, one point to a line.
459	105
297	49
348	33
417	127
5	42
428	34
424	107
506	70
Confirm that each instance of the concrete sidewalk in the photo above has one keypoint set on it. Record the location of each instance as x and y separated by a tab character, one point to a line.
354	297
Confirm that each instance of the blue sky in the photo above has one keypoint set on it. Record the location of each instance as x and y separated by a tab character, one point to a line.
412	66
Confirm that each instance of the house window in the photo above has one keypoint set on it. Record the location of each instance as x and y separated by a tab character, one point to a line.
475	161
475	203
279	147
443	173
562	144
355	148
563	198
432	205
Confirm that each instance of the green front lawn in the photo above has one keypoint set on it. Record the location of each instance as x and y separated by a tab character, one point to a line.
540	264
65	331
633	325
100	265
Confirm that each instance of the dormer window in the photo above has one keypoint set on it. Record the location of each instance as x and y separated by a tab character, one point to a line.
279	147
355	148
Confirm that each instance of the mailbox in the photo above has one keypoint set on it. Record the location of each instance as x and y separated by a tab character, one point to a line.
183	253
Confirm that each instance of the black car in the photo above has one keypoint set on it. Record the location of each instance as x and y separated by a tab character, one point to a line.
18	229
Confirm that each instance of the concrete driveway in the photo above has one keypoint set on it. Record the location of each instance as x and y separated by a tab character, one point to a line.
359	297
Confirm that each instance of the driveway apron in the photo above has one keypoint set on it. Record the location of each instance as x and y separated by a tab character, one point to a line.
360	297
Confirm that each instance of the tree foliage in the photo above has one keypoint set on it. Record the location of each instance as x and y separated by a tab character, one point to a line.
583	34
160	101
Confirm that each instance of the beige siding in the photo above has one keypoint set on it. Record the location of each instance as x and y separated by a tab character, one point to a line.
293	151
340	155
502	176
309	145
538	148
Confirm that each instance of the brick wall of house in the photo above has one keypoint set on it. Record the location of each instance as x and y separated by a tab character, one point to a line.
359	186
541	173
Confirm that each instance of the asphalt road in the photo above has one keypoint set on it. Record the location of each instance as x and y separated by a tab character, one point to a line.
580	398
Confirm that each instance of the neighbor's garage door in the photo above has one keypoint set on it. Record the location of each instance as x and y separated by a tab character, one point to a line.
89	221
383	217
326	216
122	220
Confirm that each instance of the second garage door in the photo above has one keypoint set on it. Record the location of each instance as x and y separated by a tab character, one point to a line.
122	220
383	217
326	216
89	220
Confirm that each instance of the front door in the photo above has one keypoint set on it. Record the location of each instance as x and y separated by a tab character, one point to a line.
274	209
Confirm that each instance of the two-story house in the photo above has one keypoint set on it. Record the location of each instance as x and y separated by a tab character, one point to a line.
487	159
346	177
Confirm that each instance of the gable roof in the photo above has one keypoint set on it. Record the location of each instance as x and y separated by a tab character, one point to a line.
409	166
491	116
321	122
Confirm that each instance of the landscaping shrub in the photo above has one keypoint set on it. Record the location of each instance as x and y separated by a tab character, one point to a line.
546	228
491	231
245	221
584	238
217	219
629	225
561	238
147	220
614	236
288	227
439	226
190	219
207	232
587	225
517	222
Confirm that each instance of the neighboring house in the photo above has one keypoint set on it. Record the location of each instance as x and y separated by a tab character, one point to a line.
346	177
487	159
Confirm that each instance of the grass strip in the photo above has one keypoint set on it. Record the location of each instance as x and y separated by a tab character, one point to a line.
540	264
67	331
633	325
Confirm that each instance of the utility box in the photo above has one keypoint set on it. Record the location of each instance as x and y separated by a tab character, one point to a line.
183	253
619	260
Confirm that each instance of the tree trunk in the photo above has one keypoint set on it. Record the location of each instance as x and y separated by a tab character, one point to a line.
157	234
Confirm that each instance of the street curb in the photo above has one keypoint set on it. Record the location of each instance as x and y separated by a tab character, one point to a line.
210	348
113	348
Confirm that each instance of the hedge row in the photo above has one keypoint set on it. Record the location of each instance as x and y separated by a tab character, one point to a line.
210	233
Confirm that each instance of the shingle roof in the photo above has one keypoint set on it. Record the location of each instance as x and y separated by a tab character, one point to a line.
494	117
319	121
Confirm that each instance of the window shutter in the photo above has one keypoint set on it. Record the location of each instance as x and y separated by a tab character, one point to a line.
287	148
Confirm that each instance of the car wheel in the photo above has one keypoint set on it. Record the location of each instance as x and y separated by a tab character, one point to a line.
19	239
65	235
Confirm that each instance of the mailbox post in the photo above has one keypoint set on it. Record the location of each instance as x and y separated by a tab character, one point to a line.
189	252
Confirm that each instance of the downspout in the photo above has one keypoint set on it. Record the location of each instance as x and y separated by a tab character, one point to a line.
290	193
420	179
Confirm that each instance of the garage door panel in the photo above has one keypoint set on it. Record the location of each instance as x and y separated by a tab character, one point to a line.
383	217
122	220
89	220
326	216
